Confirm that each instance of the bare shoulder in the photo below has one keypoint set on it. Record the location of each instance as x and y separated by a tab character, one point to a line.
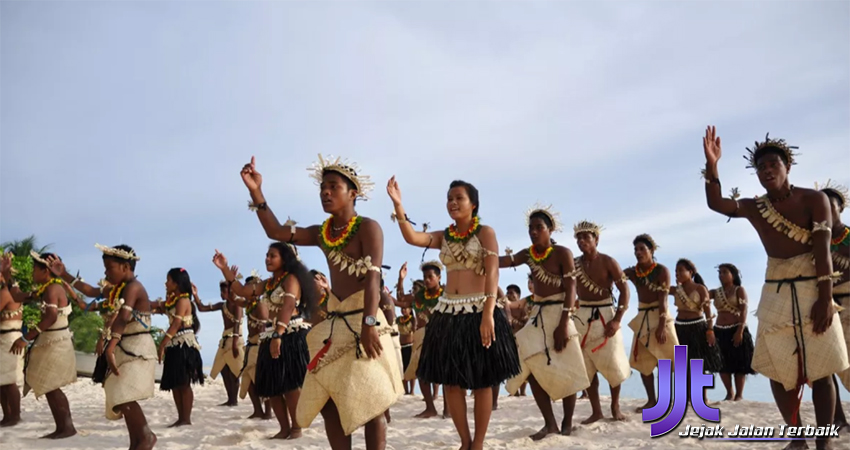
487	231
564	252
369	224
135	290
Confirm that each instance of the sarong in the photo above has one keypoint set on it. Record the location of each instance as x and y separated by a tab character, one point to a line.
360	387
51	362
224	355
787	349
418	339
646	351
249	367
135	357
11	365
601	354
560	374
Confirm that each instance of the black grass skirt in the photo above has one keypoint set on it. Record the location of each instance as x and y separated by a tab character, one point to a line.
100	368
452	353
406	352
692	334
286	373
182	366
736	360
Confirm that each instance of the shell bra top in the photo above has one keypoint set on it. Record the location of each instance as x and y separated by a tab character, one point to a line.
467	255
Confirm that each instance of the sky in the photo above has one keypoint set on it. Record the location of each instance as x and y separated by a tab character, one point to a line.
128	122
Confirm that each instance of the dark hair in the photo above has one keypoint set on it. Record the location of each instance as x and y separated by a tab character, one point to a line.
687	264
348	182
515	288
736	274
184	286
546	220
250	279
44	266
768	149
309	295
224	285
832	193
126	248
643	238
471	192
431	267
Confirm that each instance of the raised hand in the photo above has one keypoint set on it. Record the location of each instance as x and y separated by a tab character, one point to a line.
711	145
234	270
322	281
393	191
55	265
252	179
6	262
402	273
194	292
219	260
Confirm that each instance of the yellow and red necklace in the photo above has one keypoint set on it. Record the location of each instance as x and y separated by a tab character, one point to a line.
453	235
539	258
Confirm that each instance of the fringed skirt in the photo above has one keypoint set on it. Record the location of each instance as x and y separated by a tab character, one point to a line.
692	333
736	360
406	351
452	353
276	377
182	366
100	368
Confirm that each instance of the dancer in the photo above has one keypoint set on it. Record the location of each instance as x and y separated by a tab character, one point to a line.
731	332
518	310
323	290
798	325
179	348
354	343
231	351
423	302
50	361
468	345
283	355
694	321
406	325
558	374
655	337
130	352
11	365
840	250
602	345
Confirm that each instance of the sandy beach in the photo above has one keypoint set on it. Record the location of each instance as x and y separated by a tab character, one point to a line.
219	427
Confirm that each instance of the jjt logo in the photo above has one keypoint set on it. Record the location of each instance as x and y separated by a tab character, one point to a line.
699	380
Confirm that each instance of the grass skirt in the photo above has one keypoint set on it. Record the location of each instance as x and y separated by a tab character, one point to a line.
692	334
452	353
736	360
406	351
276	377
183	366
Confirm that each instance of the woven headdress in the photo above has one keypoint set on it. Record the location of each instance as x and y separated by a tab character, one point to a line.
587	227
433	263
779	144
347	169
553	215
838	189
117	253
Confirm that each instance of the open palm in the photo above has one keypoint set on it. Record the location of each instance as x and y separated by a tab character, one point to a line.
394	191
711	145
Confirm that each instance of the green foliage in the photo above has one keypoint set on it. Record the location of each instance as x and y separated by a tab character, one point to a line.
86	329
158	334
23	246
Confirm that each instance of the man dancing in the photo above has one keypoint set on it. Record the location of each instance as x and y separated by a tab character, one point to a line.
354	343
798	325
231	351
602	345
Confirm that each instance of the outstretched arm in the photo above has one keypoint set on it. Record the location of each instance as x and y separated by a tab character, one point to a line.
511	260
713	195
422	239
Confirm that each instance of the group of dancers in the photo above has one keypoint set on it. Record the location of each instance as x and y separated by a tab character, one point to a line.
335	346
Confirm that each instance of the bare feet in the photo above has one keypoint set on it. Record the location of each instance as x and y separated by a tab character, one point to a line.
267	415
147	442
427	414
49	435
256	415
593	418
10	422
566	428
295	433
283	434
229	403
729	396
738	398
646	405
545	431
841	424
180	423
618	415
446	414
64	433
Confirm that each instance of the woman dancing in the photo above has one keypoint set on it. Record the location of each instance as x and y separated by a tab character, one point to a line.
283	356
467	346
694	319
179	349
11	365
231	351
731	332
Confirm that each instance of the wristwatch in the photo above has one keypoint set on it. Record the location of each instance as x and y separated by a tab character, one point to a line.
370	321
275	335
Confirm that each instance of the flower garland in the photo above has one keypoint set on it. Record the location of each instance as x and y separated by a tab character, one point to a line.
404	320
324	300
111	303
253	305
422	300
453	235
844	239
539	258
642	276
330	243
44	286
274	283
173	298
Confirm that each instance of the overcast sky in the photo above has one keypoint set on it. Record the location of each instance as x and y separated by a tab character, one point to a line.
128	122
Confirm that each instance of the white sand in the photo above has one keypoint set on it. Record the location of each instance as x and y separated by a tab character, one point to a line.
219	427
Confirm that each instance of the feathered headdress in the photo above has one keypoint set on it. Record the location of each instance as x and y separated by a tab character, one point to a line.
779	144
347	169
587	227
553	215
118	253
838	189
